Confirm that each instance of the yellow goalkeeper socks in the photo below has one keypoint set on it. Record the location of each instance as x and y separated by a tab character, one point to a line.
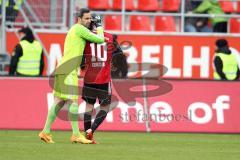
52	114
73	117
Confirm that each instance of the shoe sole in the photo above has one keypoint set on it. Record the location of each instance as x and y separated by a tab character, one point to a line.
74	142
46	141
80	143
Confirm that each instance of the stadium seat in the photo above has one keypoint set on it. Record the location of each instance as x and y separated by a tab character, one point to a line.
165	23
113	22
149	5
170	5
227	6
98	4
234	25
140	23
238	7
117	5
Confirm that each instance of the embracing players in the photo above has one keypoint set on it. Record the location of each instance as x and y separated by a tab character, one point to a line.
97	79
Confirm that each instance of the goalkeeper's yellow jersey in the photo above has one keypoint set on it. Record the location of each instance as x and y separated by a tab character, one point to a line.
74	46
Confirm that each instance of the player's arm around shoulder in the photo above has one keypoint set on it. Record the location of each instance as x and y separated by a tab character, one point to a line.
204	6
86	34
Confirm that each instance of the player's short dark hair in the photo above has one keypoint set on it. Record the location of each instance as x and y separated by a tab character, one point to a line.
82	11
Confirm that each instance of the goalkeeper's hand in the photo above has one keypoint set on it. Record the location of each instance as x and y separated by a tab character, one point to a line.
97	20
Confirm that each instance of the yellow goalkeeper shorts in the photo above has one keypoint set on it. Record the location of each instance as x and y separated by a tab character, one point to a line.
66	86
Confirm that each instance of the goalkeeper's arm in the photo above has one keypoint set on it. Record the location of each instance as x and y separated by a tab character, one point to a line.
89	36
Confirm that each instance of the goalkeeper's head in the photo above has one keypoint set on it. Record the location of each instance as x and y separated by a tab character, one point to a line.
84	17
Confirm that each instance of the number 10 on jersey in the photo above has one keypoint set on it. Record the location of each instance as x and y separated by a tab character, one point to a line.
99	52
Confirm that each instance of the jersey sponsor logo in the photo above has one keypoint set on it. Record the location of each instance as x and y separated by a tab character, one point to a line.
98	64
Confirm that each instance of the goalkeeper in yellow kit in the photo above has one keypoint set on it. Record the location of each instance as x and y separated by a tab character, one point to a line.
66	79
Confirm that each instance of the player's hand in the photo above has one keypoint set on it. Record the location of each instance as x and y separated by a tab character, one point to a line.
97	20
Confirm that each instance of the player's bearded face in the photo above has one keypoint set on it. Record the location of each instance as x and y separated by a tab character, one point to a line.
86	20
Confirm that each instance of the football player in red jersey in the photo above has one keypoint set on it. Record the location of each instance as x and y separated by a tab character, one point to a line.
97	78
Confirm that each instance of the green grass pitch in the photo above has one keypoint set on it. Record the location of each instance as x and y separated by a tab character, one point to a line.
25	145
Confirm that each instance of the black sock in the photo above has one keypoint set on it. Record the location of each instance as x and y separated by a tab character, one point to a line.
99	119
87	121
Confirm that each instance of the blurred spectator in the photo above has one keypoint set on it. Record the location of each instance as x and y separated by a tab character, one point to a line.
12	9
213	7
27	58
195	24
225	62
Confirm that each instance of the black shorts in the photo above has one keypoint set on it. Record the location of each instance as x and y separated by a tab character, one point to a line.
92	92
